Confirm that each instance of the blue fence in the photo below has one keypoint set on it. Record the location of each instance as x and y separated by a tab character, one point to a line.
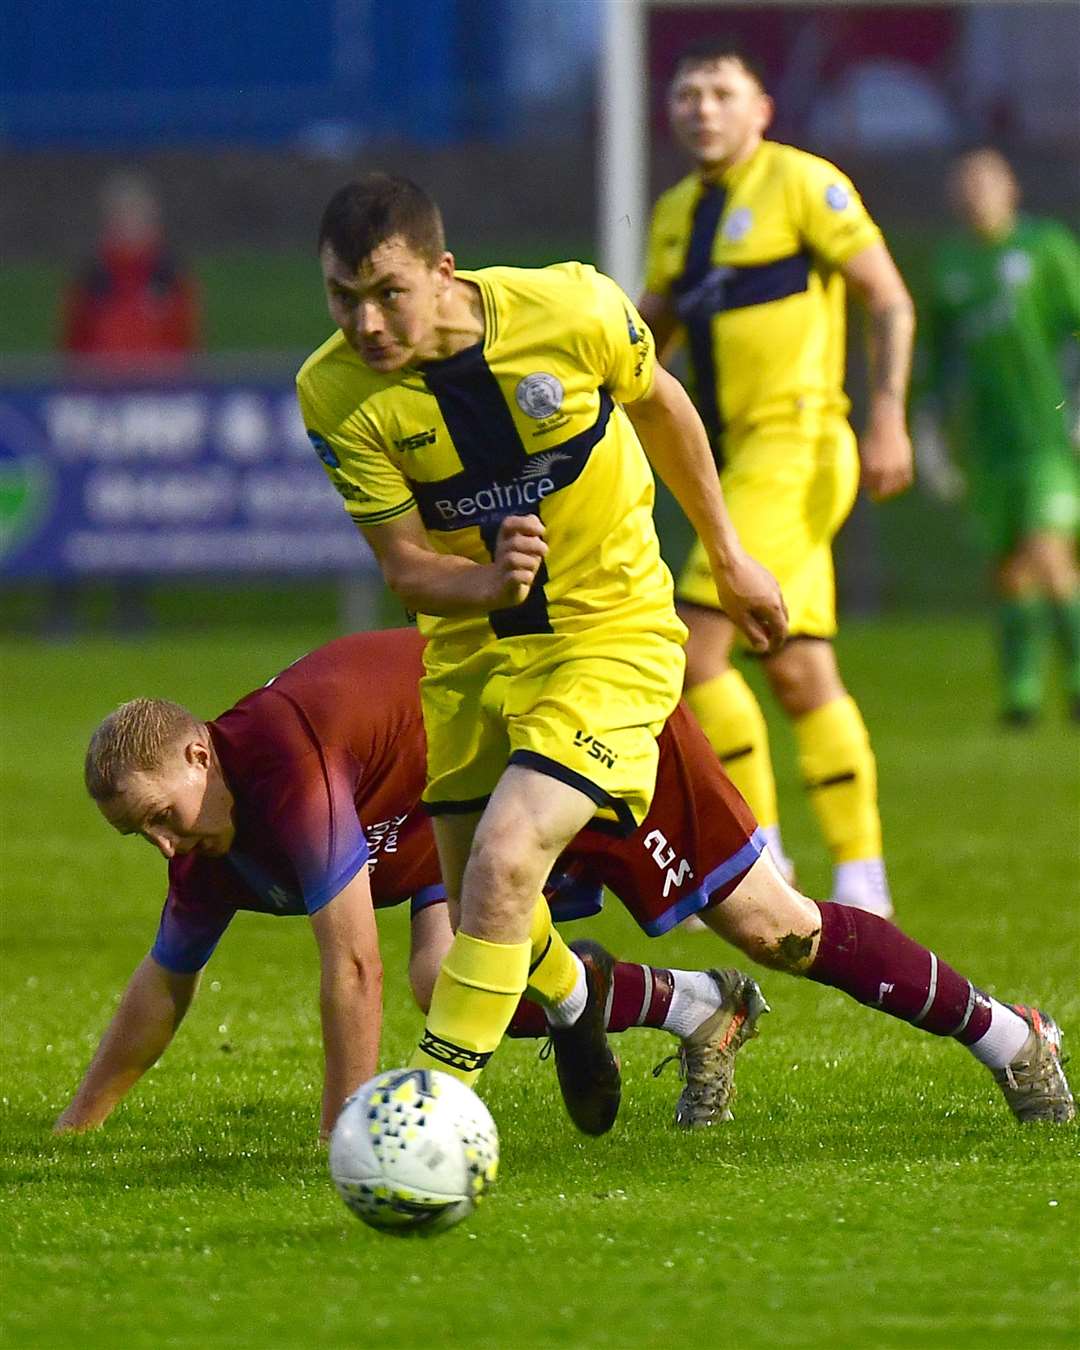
154	478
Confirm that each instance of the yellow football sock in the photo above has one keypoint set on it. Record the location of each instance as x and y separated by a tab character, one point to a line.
474	998
553	969
840	774
732	719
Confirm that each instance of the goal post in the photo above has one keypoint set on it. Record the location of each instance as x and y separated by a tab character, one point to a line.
623	143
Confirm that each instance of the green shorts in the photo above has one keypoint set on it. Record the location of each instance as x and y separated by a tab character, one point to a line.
1044	498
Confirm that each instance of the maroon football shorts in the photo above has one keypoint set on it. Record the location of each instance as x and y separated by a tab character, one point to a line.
696	843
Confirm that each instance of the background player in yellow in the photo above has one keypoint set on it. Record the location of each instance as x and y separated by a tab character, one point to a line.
473	423
748	259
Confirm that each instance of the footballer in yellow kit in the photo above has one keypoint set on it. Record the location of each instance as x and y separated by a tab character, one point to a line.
527	421
474	425
749	260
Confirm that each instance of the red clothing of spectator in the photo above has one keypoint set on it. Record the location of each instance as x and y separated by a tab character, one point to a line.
131	301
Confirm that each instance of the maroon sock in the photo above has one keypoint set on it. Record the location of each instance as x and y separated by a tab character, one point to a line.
640	997
528	1022
883	968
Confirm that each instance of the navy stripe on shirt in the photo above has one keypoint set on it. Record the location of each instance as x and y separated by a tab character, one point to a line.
698	318
499	478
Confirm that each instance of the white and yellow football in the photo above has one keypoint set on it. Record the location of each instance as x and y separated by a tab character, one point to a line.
413	1151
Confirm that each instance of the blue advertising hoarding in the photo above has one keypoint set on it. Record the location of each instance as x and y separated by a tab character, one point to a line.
165	478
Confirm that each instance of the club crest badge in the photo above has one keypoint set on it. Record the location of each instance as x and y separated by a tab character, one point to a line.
737	225
539	395
836	197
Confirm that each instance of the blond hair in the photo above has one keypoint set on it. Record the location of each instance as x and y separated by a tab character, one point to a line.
135	738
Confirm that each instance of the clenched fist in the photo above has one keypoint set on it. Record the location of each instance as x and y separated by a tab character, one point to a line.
520	548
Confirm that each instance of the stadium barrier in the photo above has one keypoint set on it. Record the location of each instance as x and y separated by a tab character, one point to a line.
155	476
207	477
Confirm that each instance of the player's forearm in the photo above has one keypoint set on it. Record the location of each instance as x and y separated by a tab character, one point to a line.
350	1000
875	280
890	338
150	1011
669	428
441	584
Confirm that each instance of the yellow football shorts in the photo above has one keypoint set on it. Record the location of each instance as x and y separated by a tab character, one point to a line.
787	493
584	710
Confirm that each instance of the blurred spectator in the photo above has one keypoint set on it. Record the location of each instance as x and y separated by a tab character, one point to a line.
131	308
132	304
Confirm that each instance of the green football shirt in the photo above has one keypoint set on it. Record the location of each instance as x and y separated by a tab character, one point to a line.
1001	316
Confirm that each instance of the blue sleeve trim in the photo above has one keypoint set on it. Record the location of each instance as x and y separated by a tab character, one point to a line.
425	897
183	944
326	892
190	964
698	899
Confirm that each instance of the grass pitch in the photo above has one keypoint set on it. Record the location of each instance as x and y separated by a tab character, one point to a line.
872	1191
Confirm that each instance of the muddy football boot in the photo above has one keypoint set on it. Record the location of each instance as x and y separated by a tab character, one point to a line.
1034	1083
707	1056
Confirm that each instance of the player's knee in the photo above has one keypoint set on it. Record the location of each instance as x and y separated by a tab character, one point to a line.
792	951
503	873
804	676
710	636
787	684
1052	558
789	948
1015	576
432	936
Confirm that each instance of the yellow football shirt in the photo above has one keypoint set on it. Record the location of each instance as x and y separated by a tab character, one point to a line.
749	265
528	421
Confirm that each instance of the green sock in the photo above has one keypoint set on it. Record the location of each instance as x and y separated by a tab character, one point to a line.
1021	621
1066	616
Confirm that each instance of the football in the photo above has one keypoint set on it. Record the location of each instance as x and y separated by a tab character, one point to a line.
413	1151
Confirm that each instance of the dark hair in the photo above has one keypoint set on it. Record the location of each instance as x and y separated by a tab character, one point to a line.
705	51
369	211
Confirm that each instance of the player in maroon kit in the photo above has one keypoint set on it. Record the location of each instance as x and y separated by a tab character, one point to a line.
305	793
304	797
